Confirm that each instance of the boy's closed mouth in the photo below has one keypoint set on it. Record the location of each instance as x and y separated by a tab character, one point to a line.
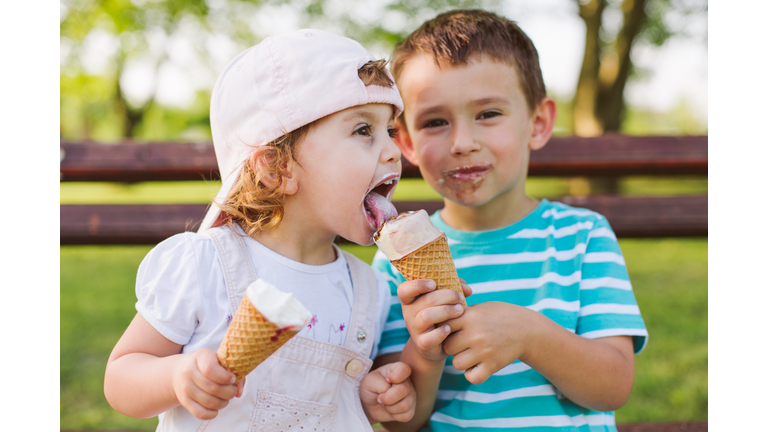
468	172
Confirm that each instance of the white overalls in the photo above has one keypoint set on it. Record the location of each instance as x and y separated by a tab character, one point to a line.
307	385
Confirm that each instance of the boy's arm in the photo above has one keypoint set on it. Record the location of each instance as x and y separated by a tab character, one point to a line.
146	375
593	373
424	309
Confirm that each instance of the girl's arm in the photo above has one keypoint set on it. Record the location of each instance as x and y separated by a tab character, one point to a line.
147	375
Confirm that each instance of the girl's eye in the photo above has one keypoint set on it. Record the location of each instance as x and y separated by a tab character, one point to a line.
488	114
435	123
364	130
393	132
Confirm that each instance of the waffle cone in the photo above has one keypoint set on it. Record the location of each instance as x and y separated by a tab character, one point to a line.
250	339
432	261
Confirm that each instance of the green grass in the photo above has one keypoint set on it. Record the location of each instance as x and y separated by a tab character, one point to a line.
669	277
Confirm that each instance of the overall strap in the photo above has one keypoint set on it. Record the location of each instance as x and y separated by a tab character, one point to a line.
363	318
236	264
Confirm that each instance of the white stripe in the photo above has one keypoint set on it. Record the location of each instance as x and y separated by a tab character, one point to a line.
472	396
516	284
601	419
513	422
551	231
552	303
601	232
452	241
605	282
522	257
615	332
596	257
603	308
506	370
392	349
565	213
394	325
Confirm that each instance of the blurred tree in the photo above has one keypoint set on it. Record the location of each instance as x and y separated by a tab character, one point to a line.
143	38
598	104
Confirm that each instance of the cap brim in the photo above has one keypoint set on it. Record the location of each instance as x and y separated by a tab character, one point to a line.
214	210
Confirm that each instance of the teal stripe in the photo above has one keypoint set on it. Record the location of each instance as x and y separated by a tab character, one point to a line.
607	321
604	269
607	295
494	384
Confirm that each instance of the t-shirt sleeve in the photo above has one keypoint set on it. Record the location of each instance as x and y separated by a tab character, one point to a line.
168	289
395	333
607	303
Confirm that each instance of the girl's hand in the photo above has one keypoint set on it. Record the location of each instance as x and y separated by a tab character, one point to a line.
387	394
203	386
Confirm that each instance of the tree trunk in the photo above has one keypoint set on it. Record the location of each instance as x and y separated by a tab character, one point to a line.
599	100
585	122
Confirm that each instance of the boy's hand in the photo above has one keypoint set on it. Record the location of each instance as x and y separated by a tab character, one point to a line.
203	386
489	336
425	309
387	394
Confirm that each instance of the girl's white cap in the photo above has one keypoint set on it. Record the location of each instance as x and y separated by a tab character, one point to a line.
279	85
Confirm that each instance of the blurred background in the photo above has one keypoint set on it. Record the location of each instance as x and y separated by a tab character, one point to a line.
143	70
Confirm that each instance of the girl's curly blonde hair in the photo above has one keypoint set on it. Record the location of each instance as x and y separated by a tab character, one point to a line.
254	205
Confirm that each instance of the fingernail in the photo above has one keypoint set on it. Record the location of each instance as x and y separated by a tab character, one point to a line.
458	308
378	399
232	380
447	328
431	284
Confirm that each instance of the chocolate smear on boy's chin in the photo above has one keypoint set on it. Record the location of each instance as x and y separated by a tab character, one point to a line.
463	182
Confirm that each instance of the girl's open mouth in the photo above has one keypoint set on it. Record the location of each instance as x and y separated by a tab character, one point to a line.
378	209
468	173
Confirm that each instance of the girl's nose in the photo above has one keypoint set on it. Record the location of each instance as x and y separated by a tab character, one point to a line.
391	152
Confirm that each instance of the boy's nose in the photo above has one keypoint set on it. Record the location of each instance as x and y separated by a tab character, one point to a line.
462	141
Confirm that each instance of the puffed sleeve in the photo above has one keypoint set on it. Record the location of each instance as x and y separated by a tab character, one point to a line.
168	289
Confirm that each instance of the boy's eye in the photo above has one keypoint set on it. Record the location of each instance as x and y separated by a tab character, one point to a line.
435	123
393	132
364	130
488	114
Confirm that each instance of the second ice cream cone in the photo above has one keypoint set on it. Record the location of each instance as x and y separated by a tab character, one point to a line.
432	261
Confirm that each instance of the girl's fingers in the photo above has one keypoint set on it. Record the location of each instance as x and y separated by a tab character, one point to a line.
398	373
396	394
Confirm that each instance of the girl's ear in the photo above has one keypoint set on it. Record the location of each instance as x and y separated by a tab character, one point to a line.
542	123
290	180
403	141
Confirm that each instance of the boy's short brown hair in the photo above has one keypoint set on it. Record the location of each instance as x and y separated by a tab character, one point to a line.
253	204
455	37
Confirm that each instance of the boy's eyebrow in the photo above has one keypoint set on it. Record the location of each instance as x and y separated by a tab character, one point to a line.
489	100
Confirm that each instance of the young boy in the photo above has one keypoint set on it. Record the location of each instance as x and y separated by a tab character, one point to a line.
548	339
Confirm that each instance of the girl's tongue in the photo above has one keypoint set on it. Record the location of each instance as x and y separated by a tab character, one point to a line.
379	209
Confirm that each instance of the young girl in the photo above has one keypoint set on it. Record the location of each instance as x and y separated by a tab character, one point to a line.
302	126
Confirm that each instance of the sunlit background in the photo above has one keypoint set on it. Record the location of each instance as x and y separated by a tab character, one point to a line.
143	70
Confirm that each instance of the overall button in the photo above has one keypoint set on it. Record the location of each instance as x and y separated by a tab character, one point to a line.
360	336
354	367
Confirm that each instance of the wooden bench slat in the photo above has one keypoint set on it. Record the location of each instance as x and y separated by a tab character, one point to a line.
608	155
684	216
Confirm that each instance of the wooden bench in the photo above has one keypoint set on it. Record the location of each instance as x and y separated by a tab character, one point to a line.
609	156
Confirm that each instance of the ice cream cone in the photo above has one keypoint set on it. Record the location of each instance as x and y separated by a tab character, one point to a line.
250	339
432	261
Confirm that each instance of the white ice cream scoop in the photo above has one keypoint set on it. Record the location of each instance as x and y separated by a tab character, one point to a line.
280	308
404	234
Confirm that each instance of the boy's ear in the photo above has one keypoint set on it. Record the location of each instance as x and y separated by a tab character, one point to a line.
542	123
403	141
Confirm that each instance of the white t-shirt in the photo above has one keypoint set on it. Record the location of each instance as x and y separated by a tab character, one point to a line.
180	283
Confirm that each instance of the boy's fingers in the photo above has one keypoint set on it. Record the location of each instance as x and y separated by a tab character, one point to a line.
438	314
432	338
466	288
408	291
477	374
398	373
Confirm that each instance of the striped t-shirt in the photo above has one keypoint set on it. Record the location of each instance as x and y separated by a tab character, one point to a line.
561	261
